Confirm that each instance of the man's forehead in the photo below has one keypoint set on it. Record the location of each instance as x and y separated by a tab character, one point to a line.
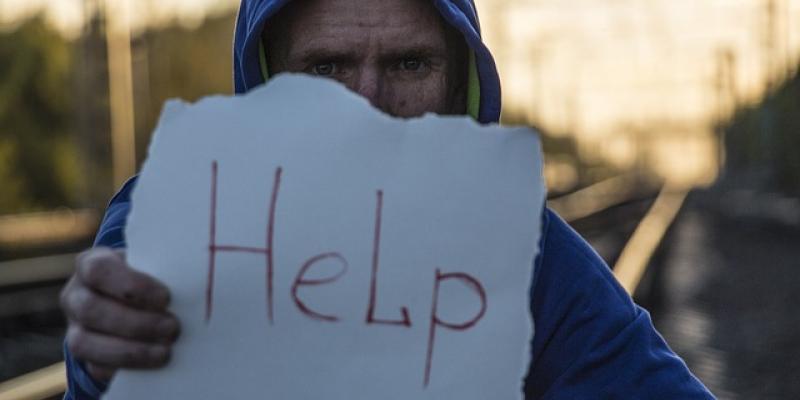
412	21
358	9
388	43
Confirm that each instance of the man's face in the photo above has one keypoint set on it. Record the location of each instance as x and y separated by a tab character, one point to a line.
398	54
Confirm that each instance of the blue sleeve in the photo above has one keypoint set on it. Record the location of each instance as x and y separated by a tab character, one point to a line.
591	340
81	386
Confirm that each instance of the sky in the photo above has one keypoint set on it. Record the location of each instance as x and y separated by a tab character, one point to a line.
68	15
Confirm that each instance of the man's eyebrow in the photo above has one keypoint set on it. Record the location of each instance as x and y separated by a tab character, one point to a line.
421	50
316	53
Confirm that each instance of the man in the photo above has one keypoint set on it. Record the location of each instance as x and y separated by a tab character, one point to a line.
407	57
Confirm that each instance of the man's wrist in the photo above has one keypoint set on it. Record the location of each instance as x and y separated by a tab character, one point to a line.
81	385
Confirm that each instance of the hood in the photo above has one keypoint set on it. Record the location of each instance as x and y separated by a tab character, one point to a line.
483	98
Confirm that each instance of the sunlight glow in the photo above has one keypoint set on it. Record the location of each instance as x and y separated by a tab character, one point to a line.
645	78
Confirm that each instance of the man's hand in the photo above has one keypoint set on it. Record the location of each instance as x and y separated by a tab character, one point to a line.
117	316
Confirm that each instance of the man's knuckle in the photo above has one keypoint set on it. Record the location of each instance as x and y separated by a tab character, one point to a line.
64	295
136	285
158	355
76	340
165	356
95	269
148	327
89	308
76	304
135	355
143	292
80	257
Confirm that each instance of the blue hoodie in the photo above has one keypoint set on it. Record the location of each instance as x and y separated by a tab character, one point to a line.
591	341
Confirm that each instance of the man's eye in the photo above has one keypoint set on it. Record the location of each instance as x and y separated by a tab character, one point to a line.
324	69
411	64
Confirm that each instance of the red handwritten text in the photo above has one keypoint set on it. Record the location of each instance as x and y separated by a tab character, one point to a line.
435	320
214	248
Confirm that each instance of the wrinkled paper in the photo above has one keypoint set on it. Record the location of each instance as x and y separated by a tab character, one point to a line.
316	248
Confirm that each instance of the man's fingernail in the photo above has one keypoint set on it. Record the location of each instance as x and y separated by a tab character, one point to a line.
161	299
158	352
168	327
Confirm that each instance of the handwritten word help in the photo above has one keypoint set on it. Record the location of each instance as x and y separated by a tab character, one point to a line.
302	281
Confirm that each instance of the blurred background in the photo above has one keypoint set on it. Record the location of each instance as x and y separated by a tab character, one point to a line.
671	130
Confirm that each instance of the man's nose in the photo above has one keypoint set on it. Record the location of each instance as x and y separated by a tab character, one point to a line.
368	84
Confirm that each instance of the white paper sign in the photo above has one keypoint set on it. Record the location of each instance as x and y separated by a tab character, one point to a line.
319	249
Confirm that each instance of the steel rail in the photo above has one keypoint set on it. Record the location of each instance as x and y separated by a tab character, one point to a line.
28	271
25	230
41	384
596	197
636	255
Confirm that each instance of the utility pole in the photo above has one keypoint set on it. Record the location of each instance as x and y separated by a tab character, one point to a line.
91	105
120	83
725	88
769	43
769	39
787	39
